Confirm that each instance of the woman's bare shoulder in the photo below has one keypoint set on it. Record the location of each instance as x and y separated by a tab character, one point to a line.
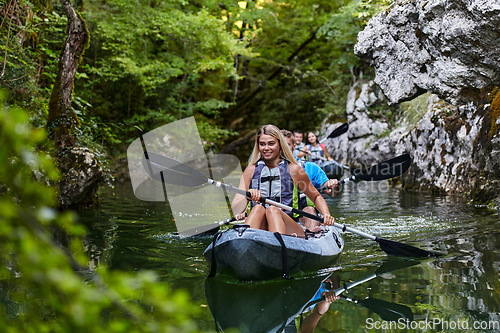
296	170
249	170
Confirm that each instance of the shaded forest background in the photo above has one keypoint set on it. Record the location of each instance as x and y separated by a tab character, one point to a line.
233	65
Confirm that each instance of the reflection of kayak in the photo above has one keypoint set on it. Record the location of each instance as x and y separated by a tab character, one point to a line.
253	254
332	169
259	307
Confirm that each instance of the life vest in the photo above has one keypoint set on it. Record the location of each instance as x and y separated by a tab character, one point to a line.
315	152
297	151
275	184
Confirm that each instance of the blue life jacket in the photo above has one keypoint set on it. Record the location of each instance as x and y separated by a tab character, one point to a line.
315	152
275	184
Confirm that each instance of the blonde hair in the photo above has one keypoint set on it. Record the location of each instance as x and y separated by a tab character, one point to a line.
285	152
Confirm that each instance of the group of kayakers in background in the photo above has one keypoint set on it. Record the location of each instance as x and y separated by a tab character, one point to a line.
312	151
277	171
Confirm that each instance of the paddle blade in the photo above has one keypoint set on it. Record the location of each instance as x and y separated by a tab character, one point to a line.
222	167
387	310
339	131
168	170
385	170
403	250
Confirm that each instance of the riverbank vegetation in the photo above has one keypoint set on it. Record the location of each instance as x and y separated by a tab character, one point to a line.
232	65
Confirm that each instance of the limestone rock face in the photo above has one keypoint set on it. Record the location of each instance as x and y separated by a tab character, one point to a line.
454	149
367	141
449	48
81	177
459	152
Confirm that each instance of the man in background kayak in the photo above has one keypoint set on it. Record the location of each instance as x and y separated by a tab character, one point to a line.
319	180
300	150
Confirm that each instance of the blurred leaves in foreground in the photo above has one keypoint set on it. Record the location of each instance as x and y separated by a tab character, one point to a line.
45	285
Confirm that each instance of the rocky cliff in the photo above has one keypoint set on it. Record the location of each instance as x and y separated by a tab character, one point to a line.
450	48
455	149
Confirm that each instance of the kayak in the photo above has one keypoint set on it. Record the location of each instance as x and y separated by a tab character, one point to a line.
257	307
253	254
332	169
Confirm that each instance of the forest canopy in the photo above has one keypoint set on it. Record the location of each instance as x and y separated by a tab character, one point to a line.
233	65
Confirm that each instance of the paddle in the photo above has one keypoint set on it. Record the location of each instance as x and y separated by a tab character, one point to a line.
337	132
385	170
171	171
204	230
386	310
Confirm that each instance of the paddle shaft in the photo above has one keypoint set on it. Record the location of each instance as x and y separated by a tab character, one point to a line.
316	156
343	181
288	208
347	286
340	290
184	175
194	231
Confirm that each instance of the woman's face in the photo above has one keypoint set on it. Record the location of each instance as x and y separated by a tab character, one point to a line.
311	137
269	147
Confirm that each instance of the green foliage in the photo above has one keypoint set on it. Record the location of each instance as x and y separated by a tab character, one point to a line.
31	48
341	30
305	89
153	62
41	290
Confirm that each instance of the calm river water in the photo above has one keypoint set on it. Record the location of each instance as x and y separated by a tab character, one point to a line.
459	290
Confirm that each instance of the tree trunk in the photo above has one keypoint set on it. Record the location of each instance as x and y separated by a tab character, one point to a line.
62	119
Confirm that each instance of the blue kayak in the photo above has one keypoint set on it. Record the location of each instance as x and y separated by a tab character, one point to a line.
253	254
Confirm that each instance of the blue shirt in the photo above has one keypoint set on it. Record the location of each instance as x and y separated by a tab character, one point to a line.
317	176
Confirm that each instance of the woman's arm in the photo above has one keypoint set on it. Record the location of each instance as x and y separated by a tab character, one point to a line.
309	323
240	203
304	151
332	187
304	184
327	156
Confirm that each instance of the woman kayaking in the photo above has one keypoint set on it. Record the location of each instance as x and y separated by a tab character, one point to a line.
316	150
273	173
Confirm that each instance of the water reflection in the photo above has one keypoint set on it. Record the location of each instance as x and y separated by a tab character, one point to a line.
259	307
464	285
295	305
